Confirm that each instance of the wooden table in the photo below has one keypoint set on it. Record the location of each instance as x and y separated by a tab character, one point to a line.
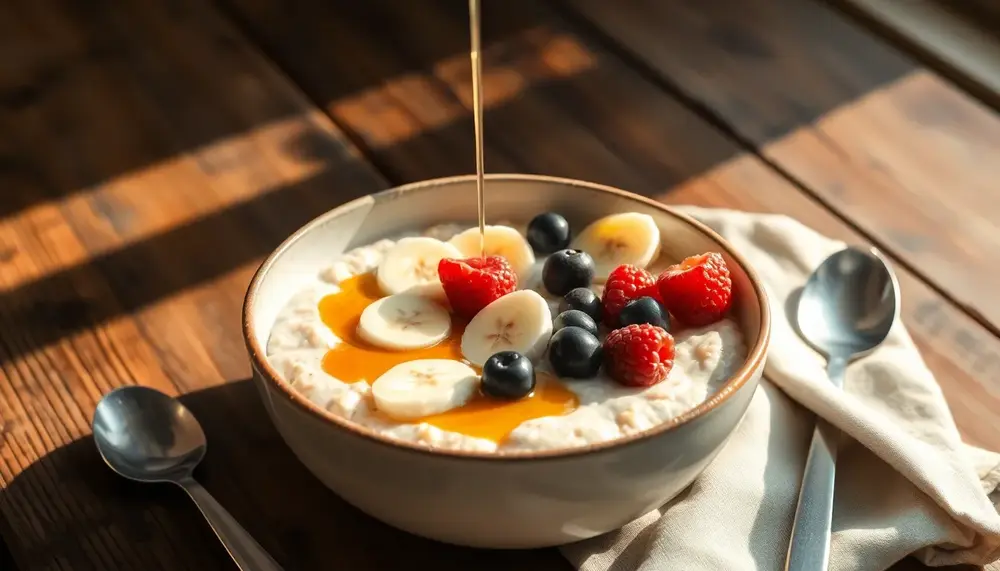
153	151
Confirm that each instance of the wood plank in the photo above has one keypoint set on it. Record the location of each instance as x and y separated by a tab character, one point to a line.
986	12
960	46
6	559
156	157
860	125
159	302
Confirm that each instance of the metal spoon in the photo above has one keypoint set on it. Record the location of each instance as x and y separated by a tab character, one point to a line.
845	311
147	436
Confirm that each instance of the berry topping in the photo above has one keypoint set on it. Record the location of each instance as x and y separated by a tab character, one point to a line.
575	318
639	355
548	232
473	283
644	310
698	291
566	270
583	299
508	375
574	353
624	284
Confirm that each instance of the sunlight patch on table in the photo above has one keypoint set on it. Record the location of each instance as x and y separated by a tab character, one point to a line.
176	191
412	104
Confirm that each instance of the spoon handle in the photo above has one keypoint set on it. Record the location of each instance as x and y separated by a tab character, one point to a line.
245	551
809	548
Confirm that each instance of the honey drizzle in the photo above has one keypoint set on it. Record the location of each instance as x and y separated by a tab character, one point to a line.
355	360
477	115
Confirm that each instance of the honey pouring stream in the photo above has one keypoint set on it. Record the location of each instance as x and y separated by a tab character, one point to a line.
477	111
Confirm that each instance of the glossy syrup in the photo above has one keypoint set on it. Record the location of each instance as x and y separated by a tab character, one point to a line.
477	119
355	360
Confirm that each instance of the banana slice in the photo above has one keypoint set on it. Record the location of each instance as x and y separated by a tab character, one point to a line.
404	321
520	321
420	388
412	262
626	238
500	241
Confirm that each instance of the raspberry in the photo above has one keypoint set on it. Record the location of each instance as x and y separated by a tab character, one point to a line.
473	283
624	284
697	291
639	355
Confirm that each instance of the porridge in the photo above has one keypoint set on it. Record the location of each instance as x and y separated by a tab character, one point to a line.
529	340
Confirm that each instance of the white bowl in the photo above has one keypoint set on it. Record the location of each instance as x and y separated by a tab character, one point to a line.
497	500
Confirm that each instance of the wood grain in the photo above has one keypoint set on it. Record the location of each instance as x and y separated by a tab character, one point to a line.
985	12
960	46
152	155
857	123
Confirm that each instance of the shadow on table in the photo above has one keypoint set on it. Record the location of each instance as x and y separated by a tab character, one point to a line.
157	101
116	524
147	269
575	124
102	90
6	559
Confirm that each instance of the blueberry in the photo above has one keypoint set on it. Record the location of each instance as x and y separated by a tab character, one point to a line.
548	232
644	310
566	270
575	353
583	299
508	375
575	318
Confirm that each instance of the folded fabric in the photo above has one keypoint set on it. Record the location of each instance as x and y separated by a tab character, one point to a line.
906	484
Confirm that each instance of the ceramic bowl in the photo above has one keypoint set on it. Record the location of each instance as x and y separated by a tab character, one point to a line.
517	499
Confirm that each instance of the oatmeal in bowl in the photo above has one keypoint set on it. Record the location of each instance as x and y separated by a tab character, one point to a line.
573	365
422	339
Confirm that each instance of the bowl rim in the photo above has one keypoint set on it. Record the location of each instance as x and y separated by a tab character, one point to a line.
754	360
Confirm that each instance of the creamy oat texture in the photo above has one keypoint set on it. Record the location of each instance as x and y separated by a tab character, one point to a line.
705	359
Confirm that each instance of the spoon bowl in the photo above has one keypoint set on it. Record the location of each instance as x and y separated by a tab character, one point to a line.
147	436
846	310
849	304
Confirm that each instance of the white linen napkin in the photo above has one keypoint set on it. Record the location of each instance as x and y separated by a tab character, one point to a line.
906	484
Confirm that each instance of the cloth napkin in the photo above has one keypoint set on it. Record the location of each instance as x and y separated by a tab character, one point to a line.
906	484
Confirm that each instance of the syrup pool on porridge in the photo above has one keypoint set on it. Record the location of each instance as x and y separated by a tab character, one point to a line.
535	339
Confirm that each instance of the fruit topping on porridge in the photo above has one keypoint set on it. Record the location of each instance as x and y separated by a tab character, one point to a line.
625	283
533	340
412	263
567	270
502	241
698	290
508	375
548	232
520	321
472	284
575	353
629	238
639	355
